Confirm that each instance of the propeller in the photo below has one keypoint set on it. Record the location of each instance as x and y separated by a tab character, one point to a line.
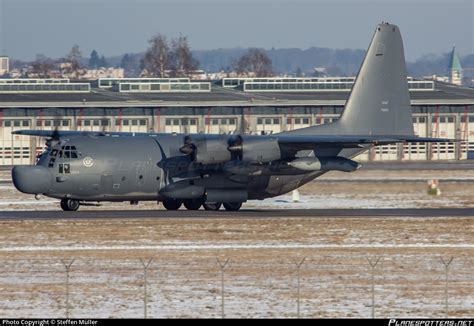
188	148
55	136
235	147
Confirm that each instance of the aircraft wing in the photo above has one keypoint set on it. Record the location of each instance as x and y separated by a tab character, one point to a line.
300	141
72	133
353	141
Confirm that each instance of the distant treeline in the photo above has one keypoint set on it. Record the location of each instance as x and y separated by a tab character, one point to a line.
344	62
291	61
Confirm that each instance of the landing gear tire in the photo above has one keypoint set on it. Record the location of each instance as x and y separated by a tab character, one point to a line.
70	205
212	206
232	206
192	204
172	204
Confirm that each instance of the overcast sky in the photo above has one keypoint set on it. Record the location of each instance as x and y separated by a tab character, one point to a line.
51	27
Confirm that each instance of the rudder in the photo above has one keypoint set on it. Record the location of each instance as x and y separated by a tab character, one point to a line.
379	103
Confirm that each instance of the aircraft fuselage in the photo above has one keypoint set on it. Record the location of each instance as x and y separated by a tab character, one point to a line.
146	168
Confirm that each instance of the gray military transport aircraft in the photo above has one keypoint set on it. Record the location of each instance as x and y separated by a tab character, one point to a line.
81	168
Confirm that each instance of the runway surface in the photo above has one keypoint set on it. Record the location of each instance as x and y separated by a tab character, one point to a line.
244	213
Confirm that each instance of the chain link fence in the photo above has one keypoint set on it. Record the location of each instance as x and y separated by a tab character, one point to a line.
352	285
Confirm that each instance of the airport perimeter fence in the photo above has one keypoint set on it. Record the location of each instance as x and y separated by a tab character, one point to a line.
214	286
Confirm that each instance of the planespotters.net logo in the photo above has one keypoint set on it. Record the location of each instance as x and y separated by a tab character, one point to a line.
431	322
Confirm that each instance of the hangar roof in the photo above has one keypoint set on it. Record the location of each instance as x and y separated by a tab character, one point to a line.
444	94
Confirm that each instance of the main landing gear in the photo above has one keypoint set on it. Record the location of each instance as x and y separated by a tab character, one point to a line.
195	204
69	204
212	206
172	204
232	206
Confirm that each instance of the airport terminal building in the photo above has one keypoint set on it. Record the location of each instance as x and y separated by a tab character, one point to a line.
231	105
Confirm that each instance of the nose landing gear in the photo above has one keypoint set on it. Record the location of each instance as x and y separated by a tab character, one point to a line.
69	204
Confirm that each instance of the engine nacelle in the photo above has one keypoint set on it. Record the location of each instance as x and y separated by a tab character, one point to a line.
206	150
211	151
257	150
223	149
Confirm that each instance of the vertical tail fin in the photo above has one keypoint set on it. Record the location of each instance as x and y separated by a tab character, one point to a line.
379	103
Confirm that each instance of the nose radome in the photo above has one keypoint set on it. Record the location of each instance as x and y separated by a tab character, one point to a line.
31	179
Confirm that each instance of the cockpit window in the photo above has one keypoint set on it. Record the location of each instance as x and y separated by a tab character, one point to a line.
68	152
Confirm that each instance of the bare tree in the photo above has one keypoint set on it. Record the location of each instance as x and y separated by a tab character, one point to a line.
255	61
73	61
182	58
156	61
42	66
132	64
74	57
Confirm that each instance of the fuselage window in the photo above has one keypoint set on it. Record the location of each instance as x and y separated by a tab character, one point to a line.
64	168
